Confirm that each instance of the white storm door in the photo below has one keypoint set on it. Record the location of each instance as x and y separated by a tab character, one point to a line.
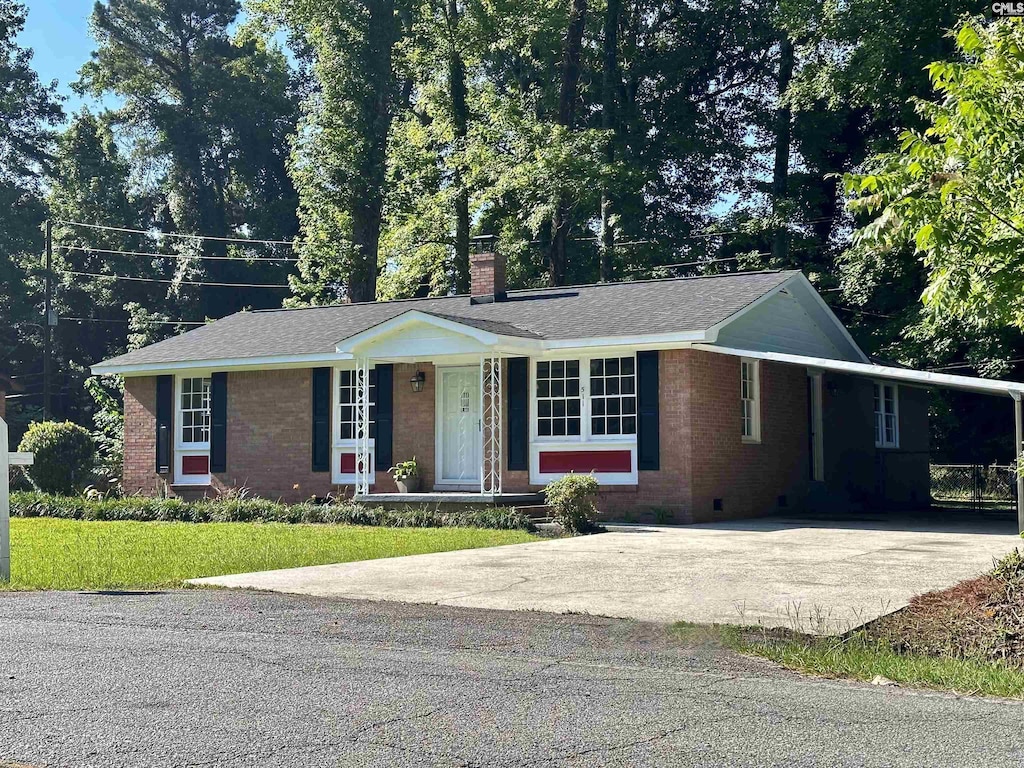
459	444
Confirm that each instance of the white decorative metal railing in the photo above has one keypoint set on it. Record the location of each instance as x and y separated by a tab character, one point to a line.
490	425
364	461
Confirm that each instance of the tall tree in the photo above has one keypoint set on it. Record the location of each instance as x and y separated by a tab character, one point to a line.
341	153
568	93
29	112
212	115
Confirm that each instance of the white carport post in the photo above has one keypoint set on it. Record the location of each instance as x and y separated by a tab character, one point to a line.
6	461
1018	447
364	465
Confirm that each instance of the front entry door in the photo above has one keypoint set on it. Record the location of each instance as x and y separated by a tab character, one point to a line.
459	446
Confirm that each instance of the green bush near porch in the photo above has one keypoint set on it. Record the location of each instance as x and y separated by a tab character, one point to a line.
255	510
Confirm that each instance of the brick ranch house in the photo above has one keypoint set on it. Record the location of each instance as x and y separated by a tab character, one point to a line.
697	398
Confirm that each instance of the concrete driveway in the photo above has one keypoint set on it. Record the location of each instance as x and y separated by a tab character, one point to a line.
817	576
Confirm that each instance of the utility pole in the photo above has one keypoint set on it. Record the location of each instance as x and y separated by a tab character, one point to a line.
48	325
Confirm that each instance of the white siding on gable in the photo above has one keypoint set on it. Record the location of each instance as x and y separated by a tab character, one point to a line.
420	339
779	324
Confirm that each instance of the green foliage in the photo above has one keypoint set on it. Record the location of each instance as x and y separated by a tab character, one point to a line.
949	193
238	508
63	456
107	393
403	470
571	500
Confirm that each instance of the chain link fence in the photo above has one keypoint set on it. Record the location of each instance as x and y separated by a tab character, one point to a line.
976	484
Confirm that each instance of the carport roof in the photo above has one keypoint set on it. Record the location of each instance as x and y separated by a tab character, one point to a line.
887	372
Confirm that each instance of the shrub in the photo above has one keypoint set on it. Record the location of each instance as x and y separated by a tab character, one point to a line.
64	456
235	509
571	499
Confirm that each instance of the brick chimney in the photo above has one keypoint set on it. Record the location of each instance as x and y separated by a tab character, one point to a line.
486	271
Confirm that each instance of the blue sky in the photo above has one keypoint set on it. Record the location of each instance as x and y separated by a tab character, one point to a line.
58	32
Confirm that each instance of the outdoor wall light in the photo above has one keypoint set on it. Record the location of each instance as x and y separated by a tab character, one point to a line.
417	381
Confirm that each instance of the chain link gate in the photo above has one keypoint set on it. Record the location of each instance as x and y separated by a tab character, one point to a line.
978	485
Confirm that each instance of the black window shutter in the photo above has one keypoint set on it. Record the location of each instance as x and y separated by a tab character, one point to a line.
321	419
164	409
648	429
219	422
518	413
384	430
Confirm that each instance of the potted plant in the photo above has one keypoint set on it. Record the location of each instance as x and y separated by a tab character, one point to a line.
407	476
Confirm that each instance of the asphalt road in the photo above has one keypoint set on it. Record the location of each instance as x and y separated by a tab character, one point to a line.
204	678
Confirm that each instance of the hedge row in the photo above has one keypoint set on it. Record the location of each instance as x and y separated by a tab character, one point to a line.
253	510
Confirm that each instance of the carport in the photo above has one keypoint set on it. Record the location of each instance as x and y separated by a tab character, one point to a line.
815	366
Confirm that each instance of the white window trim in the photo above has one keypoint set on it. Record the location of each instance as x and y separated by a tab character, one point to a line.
181	448
339	446
883	443
585	439
755	420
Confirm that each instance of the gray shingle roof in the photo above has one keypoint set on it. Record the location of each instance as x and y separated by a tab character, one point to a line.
578	312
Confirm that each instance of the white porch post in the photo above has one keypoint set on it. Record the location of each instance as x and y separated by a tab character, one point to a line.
362	426
6	461
490	425
1018	447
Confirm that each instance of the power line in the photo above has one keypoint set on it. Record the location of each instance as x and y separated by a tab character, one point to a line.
151	233
973	365
86	249
125	322
175	282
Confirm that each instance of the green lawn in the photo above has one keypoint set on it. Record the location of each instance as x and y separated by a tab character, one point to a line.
860	658
73	554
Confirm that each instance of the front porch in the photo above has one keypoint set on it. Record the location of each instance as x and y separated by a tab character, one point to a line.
447	412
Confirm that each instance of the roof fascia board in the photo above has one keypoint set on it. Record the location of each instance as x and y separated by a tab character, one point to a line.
870	370
646	341
233	363
351	343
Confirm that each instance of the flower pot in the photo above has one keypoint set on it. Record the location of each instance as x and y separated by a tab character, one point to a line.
409	485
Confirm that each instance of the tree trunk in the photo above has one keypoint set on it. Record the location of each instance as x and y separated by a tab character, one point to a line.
609	90
460	122
783	140
382	32
567	95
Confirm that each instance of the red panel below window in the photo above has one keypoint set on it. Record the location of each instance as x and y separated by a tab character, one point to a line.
585	461
195	465
348	463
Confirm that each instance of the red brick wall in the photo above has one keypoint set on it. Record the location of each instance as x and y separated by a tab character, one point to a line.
140	437
702	454
747	477
414	421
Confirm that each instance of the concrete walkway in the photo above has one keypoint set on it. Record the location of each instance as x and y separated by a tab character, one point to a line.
815	576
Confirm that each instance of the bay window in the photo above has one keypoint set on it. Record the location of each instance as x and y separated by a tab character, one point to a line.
887	433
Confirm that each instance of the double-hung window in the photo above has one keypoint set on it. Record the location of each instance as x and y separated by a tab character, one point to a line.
347	404
194	411
750	400
586	399
887	430
559	399
613	396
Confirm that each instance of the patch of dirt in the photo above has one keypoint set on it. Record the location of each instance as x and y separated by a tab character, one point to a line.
978	618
